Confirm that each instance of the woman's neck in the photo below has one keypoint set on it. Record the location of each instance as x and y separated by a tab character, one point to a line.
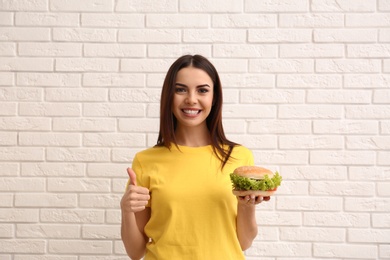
193	136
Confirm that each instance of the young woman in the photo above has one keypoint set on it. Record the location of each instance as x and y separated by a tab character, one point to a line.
179	202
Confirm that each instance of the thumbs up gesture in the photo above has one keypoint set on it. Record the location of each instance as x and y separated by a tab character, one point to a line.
135	198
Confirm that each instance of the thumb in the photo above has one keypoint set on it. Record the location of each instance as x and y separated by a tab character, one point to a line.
133	176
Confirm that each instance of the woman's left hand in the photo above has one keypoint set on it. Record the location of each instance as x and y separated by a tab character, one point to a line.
252	199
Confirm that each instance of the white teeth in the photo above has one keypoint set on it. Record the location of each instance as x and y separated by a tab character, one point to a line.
191	112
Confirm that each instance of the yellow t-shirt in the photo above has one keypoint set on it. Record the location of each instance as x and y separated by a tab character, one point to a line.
193	210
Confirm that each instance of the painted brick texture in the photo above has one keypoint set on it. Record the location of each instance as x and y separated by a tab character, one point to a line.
306	87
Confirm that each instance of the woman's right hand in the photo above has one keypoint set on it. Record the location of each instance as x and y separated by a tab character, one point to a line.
135	198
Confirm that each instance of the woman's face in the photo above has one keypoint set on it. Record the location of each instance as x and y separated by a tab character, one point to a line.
193	98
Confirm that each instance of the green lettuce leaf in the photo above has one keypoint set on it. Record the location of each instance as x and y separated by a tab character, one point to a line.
244	183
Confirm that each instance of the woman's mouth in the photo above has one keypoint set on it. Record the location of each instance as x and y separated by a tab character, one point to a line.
191	112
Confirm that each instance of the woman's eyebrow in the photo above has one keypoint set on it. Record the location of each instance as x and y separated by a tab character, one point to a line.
199	86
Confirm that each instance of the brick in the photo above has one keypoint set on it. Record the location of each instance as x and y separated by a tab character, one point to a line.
343	6
22	246
280	157
348	66
20	94
367	204
384	251
281	66
310	111
21	154
255	80
114	140
312	51
72	216
367	81
386	65
365	112
85	6
271	96
52	79
342	157
383	158
8	109
230	65
384	35
336	219
108	170
268	234
146	6
381	97
45	231
6	18
342	188
76	94
53	169
78	154
79	247
367	142
25	124
6	200
283	218
177	20
309	81
6	231
246	20
176	50
135	95
113	216
145	65
84	35
79	185
297	249
84	124
245	51
13	215
345	35
214	36
385	127
345	250
24	34
99	200
114	50
345	127
49	139
312	234
6	78
101	232
47	200
50	49
49	109
279	35
44	257
122	155
26	64
380	220
311	20
339	97
139	125
9	169
278	6
25	5
367	20
310	204
113	80
149	35
116	20
22	184
368	51
46	19
109	109
369	173
314	172
310	142
7	49
383	5
87	64
218	6
256	141
250	111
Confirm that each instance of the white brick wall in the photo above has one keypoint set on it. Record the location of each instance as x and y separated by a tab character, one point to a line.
307	88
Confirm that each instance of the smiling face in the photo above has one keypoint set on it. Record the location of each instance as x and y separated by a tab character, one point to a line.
193	97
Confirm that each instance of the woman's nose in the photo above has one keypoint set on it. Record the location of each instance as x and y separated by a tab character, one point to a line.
191	98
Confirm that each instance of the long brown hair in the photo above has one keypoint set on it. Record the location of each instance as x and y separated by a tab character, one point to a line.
168	121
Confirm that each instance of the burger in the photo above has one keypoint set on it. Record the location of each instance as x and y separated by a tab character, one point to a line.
254	180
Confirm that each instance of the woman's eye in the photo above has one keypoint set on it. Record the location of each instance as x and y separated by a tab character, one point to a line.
180	90
203	90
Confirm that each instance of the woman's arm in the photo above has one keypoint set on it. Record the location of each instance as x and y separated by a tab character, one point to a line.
135	215
246	219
